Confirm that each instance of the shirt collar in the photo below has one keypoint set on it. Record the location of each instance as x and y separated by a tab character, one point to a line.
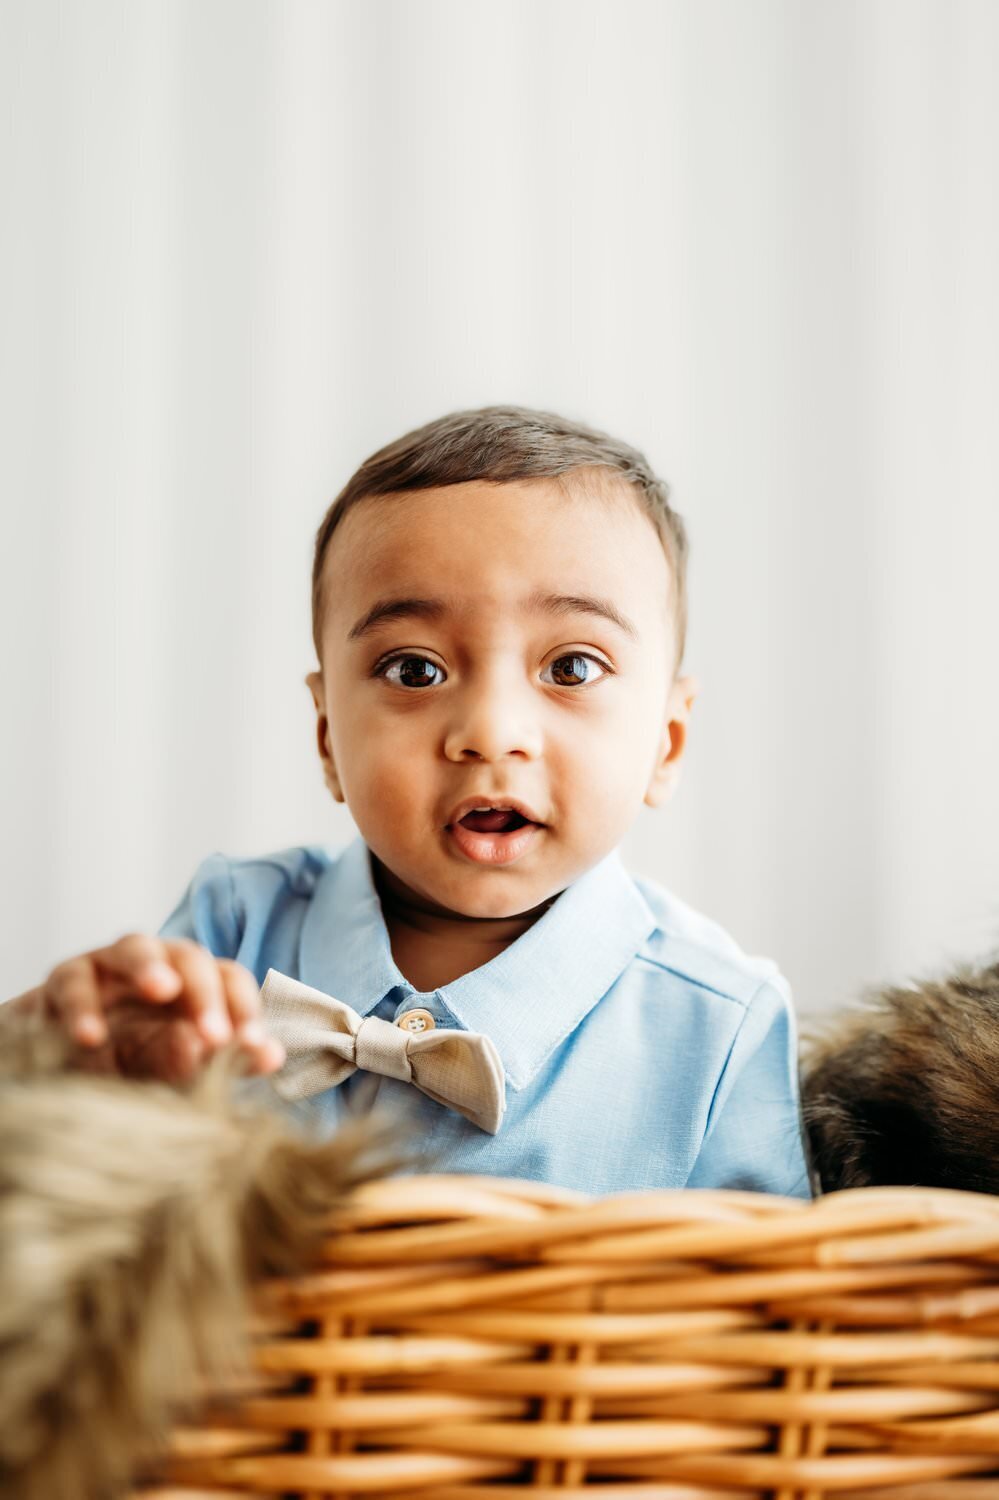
527	1000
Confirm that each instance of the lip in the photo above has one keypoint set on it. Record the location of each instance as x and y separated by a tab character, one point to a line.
514	804
493	848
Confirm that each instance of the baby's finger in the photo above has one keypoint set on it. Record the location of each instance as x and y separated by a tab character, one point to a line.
144	962
241	991
204	995
265	1052
71	996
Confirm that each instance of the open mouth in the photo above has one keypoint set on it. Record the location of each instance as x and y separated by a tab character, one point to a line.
493	820
494	835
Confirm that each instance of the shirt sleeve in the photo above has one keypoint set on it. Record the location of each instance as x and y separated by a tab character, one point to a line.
206	911
754	1138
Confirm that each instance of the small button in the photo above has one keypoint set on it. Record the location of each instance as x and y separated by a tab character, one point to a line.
416	1021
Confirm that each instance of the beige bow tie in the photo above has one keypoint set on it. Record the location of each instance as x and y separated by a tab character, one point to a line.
325	1040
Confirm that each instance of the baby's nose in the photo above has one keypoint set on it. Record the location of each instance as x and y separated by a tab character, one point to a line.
492	726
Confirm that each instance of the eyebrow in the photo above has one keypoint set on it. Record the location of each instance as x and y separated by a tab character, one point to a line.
538	603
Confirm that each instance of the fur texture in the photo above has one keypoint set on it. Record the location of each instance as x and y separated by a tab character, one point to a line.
905	1087
134	1219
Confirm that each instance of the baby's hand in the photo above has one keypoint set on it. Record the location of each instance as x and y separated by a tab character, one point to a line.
149	1007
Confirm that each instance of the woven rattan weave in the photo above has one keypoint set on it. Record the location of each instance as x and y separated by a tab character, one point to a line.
474	1336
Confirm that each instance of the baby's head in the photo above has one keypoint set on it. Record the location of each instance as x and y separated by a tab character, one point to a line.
499	613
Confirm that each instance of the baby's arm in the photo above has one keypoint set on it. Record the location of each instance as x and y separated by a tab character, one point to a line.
754	1138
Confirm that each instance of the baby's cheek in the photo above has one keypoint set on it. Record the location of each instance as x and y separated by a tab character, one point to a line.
617	783
386	796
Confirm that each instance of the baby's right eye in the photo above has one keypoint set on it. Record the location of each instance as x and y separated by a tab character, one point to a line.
407	676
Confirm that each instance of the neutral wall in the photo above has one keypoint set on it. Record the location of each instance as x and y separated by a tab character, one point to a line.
246	243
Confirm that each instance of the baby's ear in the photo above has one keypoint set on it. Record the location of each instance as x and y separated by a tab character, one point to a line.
666	771
314	682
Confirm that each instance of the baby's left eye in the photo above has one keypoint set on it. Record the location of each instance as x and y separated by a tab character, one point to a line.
573	670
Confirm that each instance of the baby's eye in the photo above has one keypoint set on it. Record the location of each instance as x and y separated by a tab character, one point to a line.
573	670
405	671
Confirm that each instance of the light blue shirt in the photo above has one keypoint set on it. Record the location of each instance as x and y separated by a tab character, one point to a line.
641	1047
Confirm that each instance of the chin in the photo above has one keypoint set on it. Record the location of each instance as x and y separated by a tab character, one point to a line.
491	894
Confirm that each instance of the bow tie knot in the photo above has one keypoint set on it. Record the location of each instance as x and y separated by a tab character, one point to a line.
380	1047
325	1040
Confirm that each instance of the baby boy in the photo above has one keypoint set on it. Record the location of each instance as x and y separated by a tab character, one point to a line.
499	611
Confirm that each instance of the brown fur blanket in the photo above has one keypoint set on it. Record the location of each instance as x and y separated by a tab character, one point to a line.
134	1220
904	1088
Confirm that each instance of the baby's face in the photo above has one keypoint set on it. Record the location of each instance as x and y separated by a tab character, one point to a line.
486	643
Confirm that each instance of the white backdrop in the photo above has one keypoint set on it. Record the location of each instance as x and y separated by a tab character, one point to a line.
245	243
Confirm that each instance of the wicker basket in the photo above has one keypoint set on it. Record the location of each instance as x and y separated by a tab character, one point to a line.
469	1336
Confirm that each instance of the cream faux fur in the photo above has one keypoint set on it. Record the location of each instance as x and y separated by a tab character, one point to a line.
134	1219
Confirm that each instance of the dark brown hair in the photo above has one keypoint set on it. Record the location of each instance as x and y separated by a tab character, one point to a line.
503	443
